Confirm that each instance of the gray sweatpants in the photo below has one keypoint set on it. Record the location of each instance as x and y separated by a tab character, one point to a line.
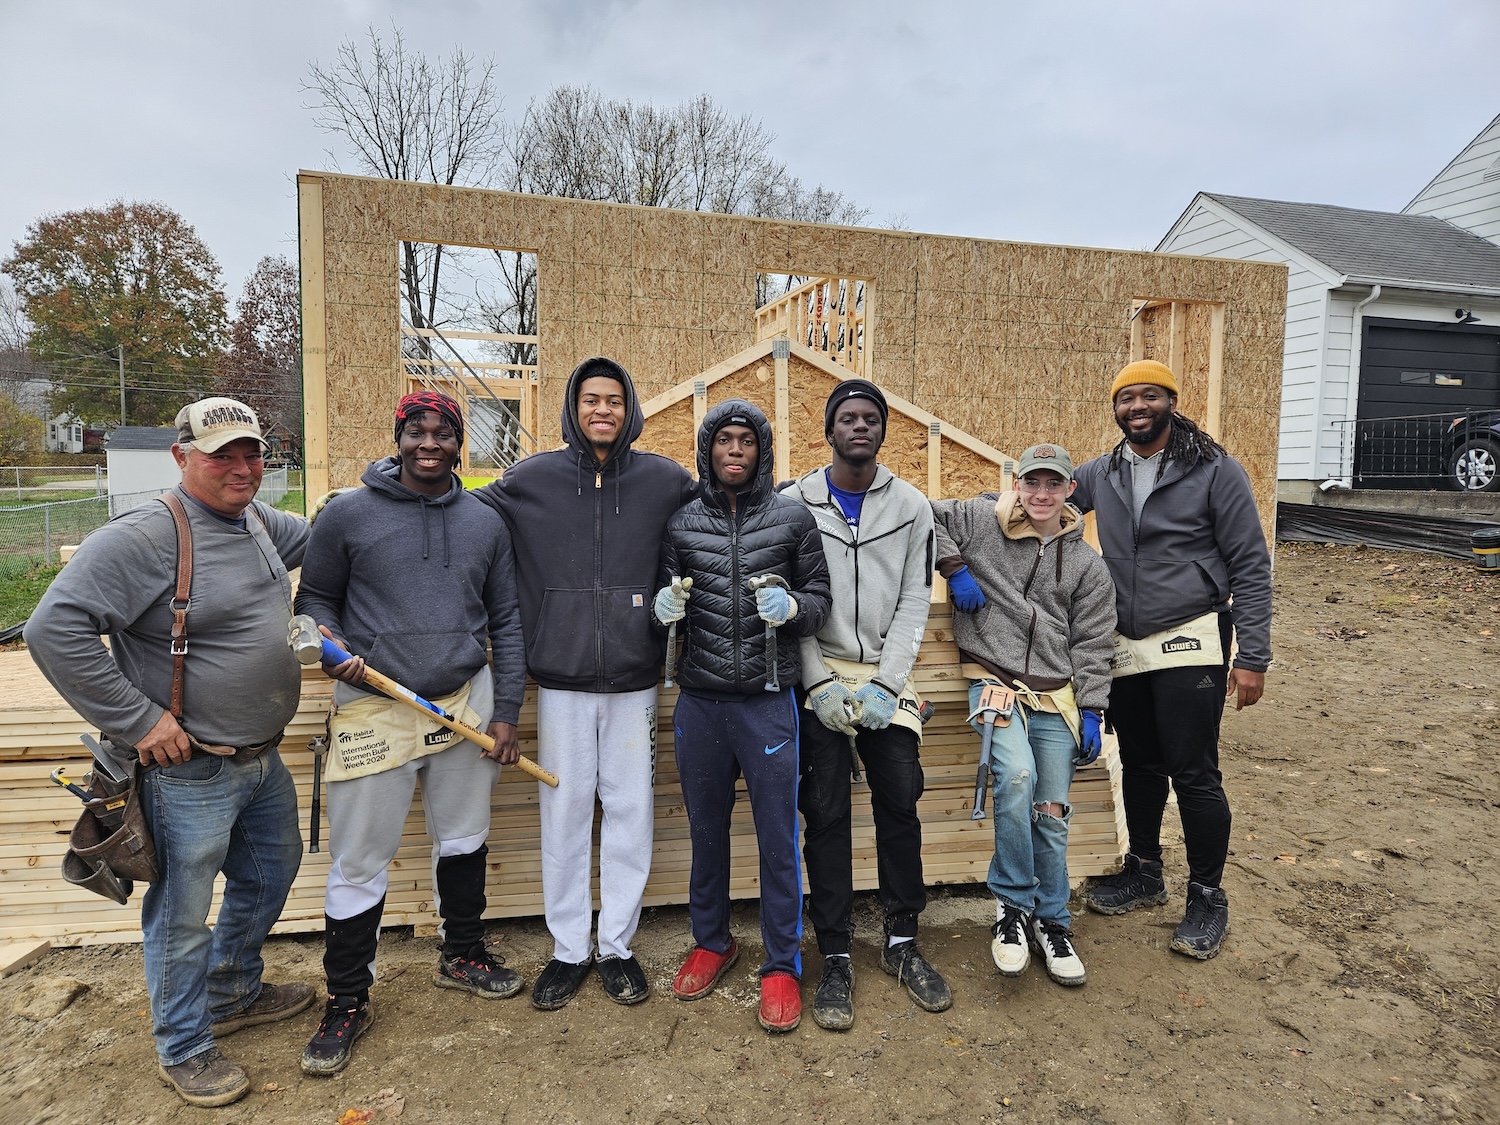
604	745
367	814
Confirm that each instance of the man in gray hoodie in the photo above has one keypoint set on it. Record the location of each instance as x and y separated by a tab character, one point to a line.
215	792
877	537
415	574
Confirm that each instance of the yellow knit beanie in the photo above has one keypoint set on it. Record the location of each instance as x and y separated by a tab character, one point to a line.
1144	371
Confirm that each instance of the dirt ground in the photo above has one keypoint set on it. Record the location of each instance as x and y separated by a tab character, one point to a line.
1360	979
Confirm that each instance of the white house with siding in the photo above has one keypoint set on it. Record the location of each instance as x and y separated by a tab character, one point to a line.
1387	314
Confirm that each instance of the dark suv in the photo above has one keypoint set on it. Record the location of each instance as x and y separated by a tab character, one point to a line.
1472	443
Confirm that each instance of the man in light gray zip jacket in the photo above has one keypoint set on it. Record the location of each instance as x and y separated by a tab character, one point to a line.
877	538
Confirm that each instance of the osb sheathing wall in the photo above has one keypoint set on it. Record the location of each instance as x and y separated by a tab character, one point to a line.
1011	342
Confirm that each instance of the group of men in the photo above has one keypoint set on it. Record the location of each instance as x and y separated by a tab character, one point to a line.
801	612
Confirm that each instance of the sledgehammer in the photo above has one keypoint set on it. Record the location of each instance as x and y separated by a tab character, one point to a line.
310	647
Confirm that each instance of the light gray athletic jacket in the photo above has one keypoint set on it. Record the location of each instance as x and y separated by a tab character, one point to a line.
881	575
240	681
1049	613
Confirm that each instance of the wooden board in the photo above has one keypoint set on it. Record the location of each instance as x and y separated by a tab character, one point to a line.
38	731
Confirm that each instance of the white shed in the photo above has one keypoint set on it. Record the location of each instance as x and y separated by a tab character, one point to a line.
1387	314
141	466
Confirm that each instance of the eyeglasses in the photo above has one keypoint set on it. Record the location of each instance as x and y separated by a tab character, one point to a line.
1035	484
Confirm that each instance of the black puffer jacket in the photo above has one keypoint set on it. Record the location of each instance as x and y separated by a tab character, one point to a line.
724	652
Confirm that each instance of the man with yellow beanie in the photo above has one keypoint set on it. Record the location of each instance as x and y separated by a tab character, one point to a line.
1182	538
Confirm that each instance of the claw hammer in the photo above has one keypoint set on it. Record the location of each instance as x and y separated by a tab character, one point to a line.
760	582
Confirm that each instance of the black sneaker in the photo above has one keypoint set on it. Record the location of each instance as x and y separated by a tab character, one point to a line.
1206	923
345	1019
1139	884
482	973
558	983
833	1003
623	979
206	1080
924	984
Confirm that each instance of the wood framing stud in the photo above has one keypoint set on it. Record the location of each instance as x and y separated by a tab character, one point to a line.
700	403
934	460
781	351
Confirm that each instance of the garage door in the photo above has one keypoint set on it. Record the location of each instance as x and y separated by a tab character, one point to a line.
1411	367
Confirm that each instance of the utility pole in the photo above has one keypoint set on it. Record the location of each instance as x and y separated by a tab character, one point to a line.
121	351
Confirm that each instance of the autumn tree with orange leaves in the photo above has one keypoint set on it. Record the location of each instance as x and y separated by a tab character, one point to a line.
131	275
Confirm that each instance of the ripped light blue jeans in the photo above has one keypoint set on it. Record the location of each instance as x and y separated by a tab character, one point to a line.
1031	764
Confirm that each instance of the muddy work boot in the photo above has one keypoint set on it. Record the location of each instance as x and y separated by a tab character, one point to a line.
206	1080
345	1019
1206	923
702	970
923	983
833	1003
275	1002
1139	884
480	972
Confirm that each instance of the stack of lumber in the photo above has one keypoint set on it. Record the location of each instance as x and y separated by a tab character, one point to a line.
38	732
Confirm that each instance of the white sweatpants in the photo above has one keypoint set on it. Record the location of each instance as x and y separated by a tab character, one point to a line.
367	815
604	745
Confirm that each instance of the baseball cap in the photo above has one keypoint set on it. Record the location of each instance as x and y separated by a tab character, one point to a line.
212	423
1053	457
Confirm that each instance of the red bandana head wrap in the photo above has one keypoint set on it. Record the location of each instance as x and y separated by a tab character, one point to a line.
420	402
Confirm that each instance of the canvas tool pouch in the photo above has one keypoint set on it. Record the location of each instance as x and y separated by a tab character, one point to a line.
1189	645
373	734
854	676
107	862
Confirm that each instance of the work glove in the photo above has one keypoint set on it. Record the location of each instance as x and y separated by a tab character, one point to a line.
967	596
834	705
775	606
322	502
671	605
877	706
1093	741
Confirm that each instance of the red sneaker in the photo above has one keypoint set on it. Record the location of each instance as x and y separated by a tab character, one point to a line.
702	970
780	1002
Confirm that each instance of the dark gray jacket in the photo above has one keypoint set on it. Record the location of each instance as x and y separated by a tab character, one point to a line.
1199	546
415	584
587	540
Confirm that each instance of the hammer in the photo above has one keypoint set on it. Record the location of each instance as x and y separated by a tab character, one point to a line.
760	582
679	586
310	646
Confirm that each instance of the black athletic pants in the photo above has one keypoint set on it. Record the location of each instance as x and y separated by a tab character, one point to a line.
1168	724
893	768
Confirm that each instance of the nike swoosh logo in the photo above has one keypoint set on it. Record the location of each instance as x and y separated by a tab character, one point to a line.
778	746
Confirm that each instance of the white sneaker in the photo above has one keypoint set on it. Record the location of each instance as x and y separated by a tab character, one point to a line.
1009	948
1054	942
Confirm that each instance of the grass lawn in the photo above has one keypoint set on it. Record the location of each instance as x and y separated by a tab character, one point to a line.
19	593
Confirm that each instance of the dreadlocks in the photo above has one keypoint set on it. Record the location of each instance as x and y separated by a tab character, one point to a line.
1187	444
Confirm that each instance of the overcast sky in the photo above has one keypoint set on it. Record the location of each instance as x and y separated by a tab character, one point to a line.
1080	123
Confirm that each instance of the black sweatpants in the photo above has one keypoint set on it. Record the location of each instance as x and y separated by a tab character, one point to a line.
893	767
1168	725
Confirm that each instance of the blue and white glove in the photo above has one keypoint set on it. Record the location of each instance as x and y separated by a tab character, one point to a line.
967	596
1093	741
877	706
671	605
833	703
775	606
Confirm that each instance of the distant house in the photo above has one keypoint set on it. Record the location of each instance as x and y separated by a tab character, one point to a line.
141	465
1388	314
64	434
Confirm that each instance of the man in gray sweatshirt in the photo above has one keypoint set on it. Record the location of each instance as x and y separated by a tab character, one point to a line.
215	792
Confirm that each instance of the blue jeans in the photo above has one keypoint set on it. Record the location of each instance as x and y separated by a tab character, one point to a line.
1031	764
209	815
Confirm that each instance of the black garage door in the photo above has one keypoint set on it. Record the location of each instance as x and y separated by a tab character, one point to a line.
1414	379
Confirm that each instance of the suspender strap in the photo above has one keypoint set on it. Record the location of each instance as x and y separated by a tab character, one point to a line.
180	597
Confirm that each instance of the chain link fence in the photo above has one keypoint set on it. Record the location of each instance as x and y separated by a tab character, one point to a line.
30	534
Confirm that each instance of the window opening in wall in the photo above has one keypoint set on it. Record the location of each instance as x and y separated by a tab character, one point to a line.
825	314
469	330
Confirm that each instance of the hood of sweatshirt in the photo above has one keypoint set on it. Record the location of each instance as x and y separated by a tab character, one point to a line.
1015	525
383	476
573	434
765	466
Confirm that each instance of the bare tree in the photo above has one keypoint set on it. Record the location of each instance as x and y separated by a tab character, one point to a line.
408	118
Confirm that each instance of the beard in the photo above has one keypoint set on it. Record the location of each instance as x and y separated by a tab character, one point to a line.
1145	437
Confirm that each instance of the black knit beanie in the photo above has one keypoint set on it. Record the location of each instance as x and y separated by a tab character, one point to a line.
854	388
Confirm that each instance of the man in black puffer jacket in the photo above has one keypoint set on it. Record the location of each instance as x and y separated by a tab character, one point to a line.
727	722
